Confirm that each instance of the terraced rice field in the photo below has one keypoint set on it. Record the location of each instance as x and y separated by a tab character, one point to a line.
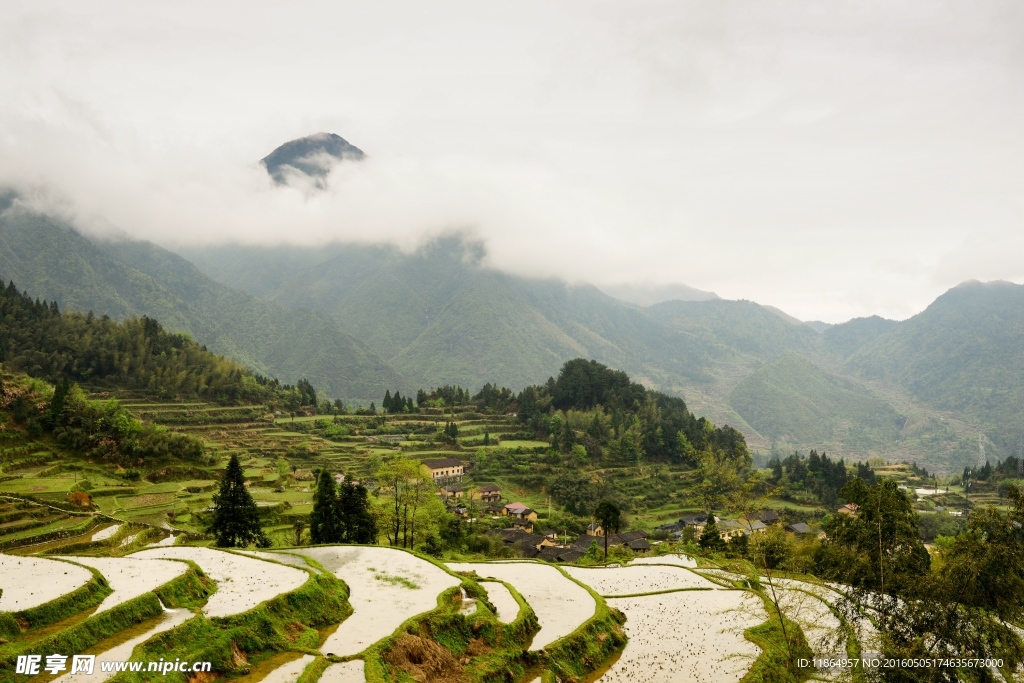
613	581
503	601
123	651
687	636
682	634
28	582
242	582
560	604
387	587
130	577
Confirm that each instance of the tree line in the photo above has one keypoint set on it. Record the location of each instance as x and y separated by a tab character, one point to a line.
98	429
341	512
37	338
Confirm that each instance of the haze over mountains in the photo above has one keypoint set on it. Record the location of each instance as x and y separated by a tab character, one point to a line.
357	320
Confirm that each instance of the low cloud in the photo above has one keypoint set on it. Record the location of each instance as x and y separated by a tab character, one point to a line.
821	163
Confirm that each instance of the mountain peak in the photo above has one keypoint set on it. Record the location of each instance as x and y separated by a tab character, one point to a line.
312	156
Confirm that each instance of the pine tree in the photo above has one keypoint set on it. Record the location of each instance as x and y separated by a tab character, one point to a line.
236	520
323	520
711	538
386	404
609	517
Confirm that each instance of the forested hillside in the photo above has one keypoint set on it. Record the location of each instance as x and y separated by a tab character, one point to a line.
359	319
963	354
38	339
54	262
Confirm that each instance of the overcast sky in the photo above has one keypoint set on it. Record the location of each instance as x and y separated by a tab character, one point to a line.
832	159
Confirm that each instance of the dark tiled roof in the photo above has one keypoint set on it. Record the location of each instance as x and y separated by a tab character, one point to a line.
630	536
800	528
489	488
640	544
767	516
549	554
569	555
443	463
691	520
583	543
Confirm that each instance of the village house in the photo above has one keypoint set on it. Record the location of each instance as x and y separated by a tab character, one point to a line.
450	491
519	511
800	529
527	544
729	528
594	530
523	525
634	540
489	493
696	522
445	470
850	509
767	516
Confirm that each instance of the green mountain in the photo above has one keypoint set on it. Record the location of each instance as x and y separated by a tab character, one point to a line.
53	261
791	401
844	340
357	320
963	354
437	316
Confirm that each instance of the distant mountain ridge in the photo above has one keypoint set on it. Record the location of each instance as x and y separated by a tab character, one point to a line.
439	318
357	320
648	295
53	261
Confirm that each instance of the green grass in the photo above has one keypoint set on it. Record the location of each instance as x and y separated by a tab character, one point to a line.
286	622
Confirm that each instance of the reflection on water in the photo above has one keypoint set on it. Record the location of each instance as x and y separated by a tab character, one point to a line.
120	647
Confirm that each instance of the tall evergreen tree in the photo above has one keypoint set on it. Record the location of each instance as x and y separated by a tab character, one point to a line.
236	520
323	520
355	518
609	517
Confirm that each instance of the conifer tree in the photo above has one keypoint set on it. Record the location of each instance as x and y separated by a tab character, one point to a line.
609	517
236	521
323	520
355	518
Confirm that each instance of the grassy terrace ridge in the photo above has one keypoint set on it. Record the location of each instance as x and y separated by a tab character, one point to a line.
72	634
288	622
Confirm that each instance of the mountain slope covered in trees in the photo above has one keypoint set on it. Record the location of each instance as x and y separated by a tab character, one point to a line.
450	320
357	320
52	261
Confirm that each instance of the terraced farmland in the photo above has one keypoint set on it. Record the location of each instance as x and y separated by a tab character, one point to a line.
279	453
674	632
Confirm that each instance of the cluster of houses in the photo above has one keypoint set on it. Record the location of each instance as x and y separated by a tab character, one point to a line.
448	473
734	527
549	549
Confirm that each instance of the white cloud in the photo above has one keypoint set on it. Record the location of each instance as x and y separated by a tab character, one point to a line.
832	160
